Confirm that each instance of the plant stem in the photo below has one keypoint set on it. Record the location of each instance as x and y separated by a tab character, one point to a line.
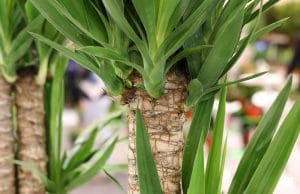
7	170
164	119
31	132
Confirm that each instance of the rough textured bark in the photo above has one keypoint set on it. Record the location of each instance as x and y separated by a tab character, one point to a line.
31	132
7	170
164	119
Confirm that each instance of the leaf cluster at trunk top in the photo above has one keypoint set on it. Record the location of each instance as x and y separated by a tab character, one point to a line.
113	37
18	49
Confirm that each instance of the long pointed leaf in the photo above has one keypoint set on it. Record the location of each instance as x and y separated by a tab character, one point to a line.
259	143
199	127
274	161
147	172
219	55
110	54
93	170
197	183
214	162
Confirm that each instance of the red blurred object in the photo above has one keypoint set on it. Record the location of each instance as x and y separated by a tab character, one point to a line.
251	111
246	137
208	141
188	114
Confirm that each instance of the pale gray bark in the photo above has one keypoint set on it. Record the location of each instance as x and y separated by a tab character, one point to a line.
7	169
31	133
164	119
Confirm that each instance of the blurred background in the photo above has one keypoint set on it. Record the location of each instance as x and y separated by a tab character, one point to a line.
277	52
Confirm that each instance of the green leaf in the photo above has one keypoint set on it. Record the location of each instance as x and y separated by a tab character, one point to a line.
224	153
230	7
265	7
267	28
147	173
110	54
213	90
177	38
259	143
81	152
178	14
103	69
197	183
83	15
29	166
31	11
115	9
195	92
101	123
214	163
115	181
218	57
61	23
116	167
165	11
54	98
199	127
274	161
93	170
185	53
198	94
243	44
68	53
146	10
21	44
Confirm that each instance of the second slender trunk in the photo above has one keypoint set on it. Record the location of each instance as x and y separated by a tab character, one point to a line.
164	119
7	169
31	132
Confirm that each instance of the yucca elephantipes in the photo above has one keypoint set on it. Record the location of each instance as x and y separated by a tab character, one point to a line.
24	66
136	47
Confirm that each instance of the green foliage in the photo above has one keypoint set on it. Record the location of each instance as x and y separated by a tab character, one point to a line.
147	173
272	164
263	161
289	9
45	53
14	39
215	162
113	37
157	33
262	138
199	127
77	26
73	169
17	18
197	182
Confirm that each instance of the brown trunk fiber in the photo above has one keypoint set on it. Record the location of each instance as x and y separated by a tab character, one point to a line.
7	169
164	119
31	132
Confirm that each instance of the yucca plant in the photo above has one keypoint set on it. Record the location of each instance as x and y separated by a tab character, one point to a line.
153	53
69	170
260	167
14	44
24	66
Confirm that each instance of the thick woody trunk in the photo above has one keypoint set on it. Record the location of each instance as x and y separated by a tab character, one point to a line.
164	119
31	132
7	169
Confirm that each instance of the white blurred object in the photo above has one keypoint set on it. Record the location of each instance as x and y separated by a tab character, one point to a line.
264	99
286	184
232	107
93	87
70	119
269	80
93	110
